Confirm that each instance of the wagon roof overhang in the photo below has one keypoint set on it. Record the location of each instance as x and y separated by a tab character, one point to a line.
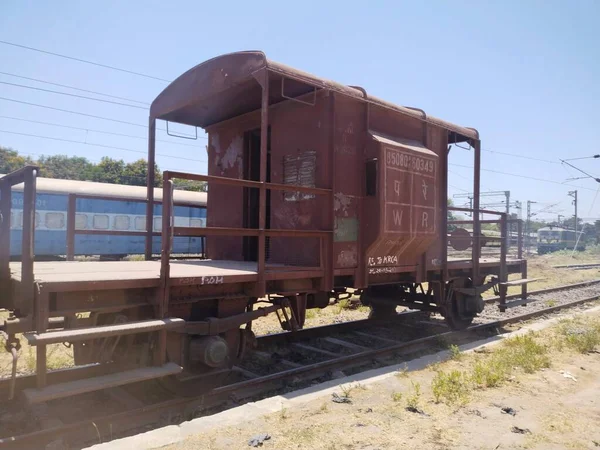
225	87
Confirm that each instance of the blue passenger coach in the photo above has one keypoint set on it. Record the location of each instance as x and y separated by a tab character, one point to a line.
105	207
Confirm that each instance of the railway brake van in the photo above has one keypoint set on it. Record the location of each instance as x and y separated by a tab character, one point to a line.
316	189
110	219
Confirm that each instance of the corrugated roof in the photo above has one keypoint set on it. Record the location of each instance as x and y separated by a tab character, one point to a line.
57	186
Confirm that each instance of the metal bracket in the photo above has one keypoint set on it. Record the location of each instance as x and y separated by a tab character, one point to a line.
183	136
478	290
314	102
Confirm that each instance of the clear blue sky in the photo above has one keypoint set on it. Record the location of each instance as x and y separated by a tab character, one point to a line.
524	73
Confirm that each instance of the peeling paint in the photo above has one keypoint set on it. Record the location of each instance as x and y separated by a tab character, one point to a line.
341	201
347	258
233	155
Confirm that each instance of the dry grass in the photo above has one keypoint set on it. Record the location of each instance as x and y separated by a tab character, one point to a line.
525	354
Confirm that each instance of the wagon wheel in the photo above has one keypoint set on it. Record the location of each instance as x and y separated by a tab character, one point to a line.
457	308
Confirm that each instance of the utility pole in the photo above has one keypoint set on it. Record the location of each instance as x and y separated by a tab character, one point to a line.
528	226
574	195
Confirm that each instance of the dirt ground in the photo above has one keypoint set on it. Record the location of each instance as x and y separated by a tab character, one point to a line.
556	406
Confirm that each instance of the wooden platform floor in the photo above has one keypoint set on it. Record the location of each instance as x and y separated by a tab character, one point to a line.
118	274
182	272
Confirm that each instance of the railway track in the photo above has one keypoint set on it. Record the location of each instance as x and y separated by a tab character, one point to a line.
281	362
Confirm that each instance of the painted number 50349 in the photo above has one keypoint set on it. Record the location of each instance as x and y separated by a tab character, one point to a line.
409	162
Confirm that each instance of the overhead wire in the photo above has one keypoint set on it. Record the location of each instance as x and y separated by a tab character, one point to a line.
521	156
72	95
79	113
66	86
99	145
522	176
106	66
96	131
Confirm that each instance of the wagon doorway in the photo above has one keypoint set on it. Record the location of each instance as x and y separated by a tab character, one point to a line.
252	195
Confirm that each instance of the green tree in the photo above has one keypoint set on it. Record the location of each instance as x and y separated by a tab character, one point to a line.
108	170
10	160
189	185
65	167
135	173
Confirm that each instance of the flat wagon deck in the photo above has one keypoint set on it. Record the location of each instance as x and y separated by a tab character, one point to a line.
57	275
112	274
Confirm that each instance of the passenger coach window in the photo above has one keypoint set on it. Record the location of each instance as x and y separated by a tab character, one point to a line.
81	221
196	223
140	223
54	220
122	223
158	224
101	222
371	177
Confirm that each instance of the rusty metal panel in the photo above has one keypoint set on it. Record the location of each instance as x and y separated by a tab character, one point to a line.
299	156
408	202
348	142
225	203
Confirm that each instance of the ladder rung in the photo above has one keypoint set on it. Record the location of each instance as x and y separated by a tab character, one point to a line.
82	334
76	387
519	282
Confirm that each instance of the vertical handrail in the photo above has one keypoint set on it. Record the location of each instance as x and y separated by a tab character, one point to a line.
160	353
262	204
5	210
150	189
520	239
503	275
26	175
476	224
28	239
71	227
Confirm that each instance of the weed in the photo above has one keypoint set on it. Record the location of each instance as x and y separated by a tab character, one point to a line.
413	400
324	408
551	303
396	396
403	371
523	352
455	352
347	390
342	305
489	373
450	387
283	414
311	313
581	336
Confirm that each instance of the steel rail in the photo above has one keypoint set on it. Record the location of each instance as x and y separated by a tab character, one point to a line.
126	418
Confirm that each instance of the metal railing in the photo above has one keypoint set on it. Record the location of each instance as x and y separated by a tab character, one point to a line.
504	239
169	230
72	229
27	175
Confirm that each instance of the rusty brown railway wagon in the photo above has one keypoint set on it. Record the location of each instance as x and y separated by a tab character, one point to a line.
314	188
